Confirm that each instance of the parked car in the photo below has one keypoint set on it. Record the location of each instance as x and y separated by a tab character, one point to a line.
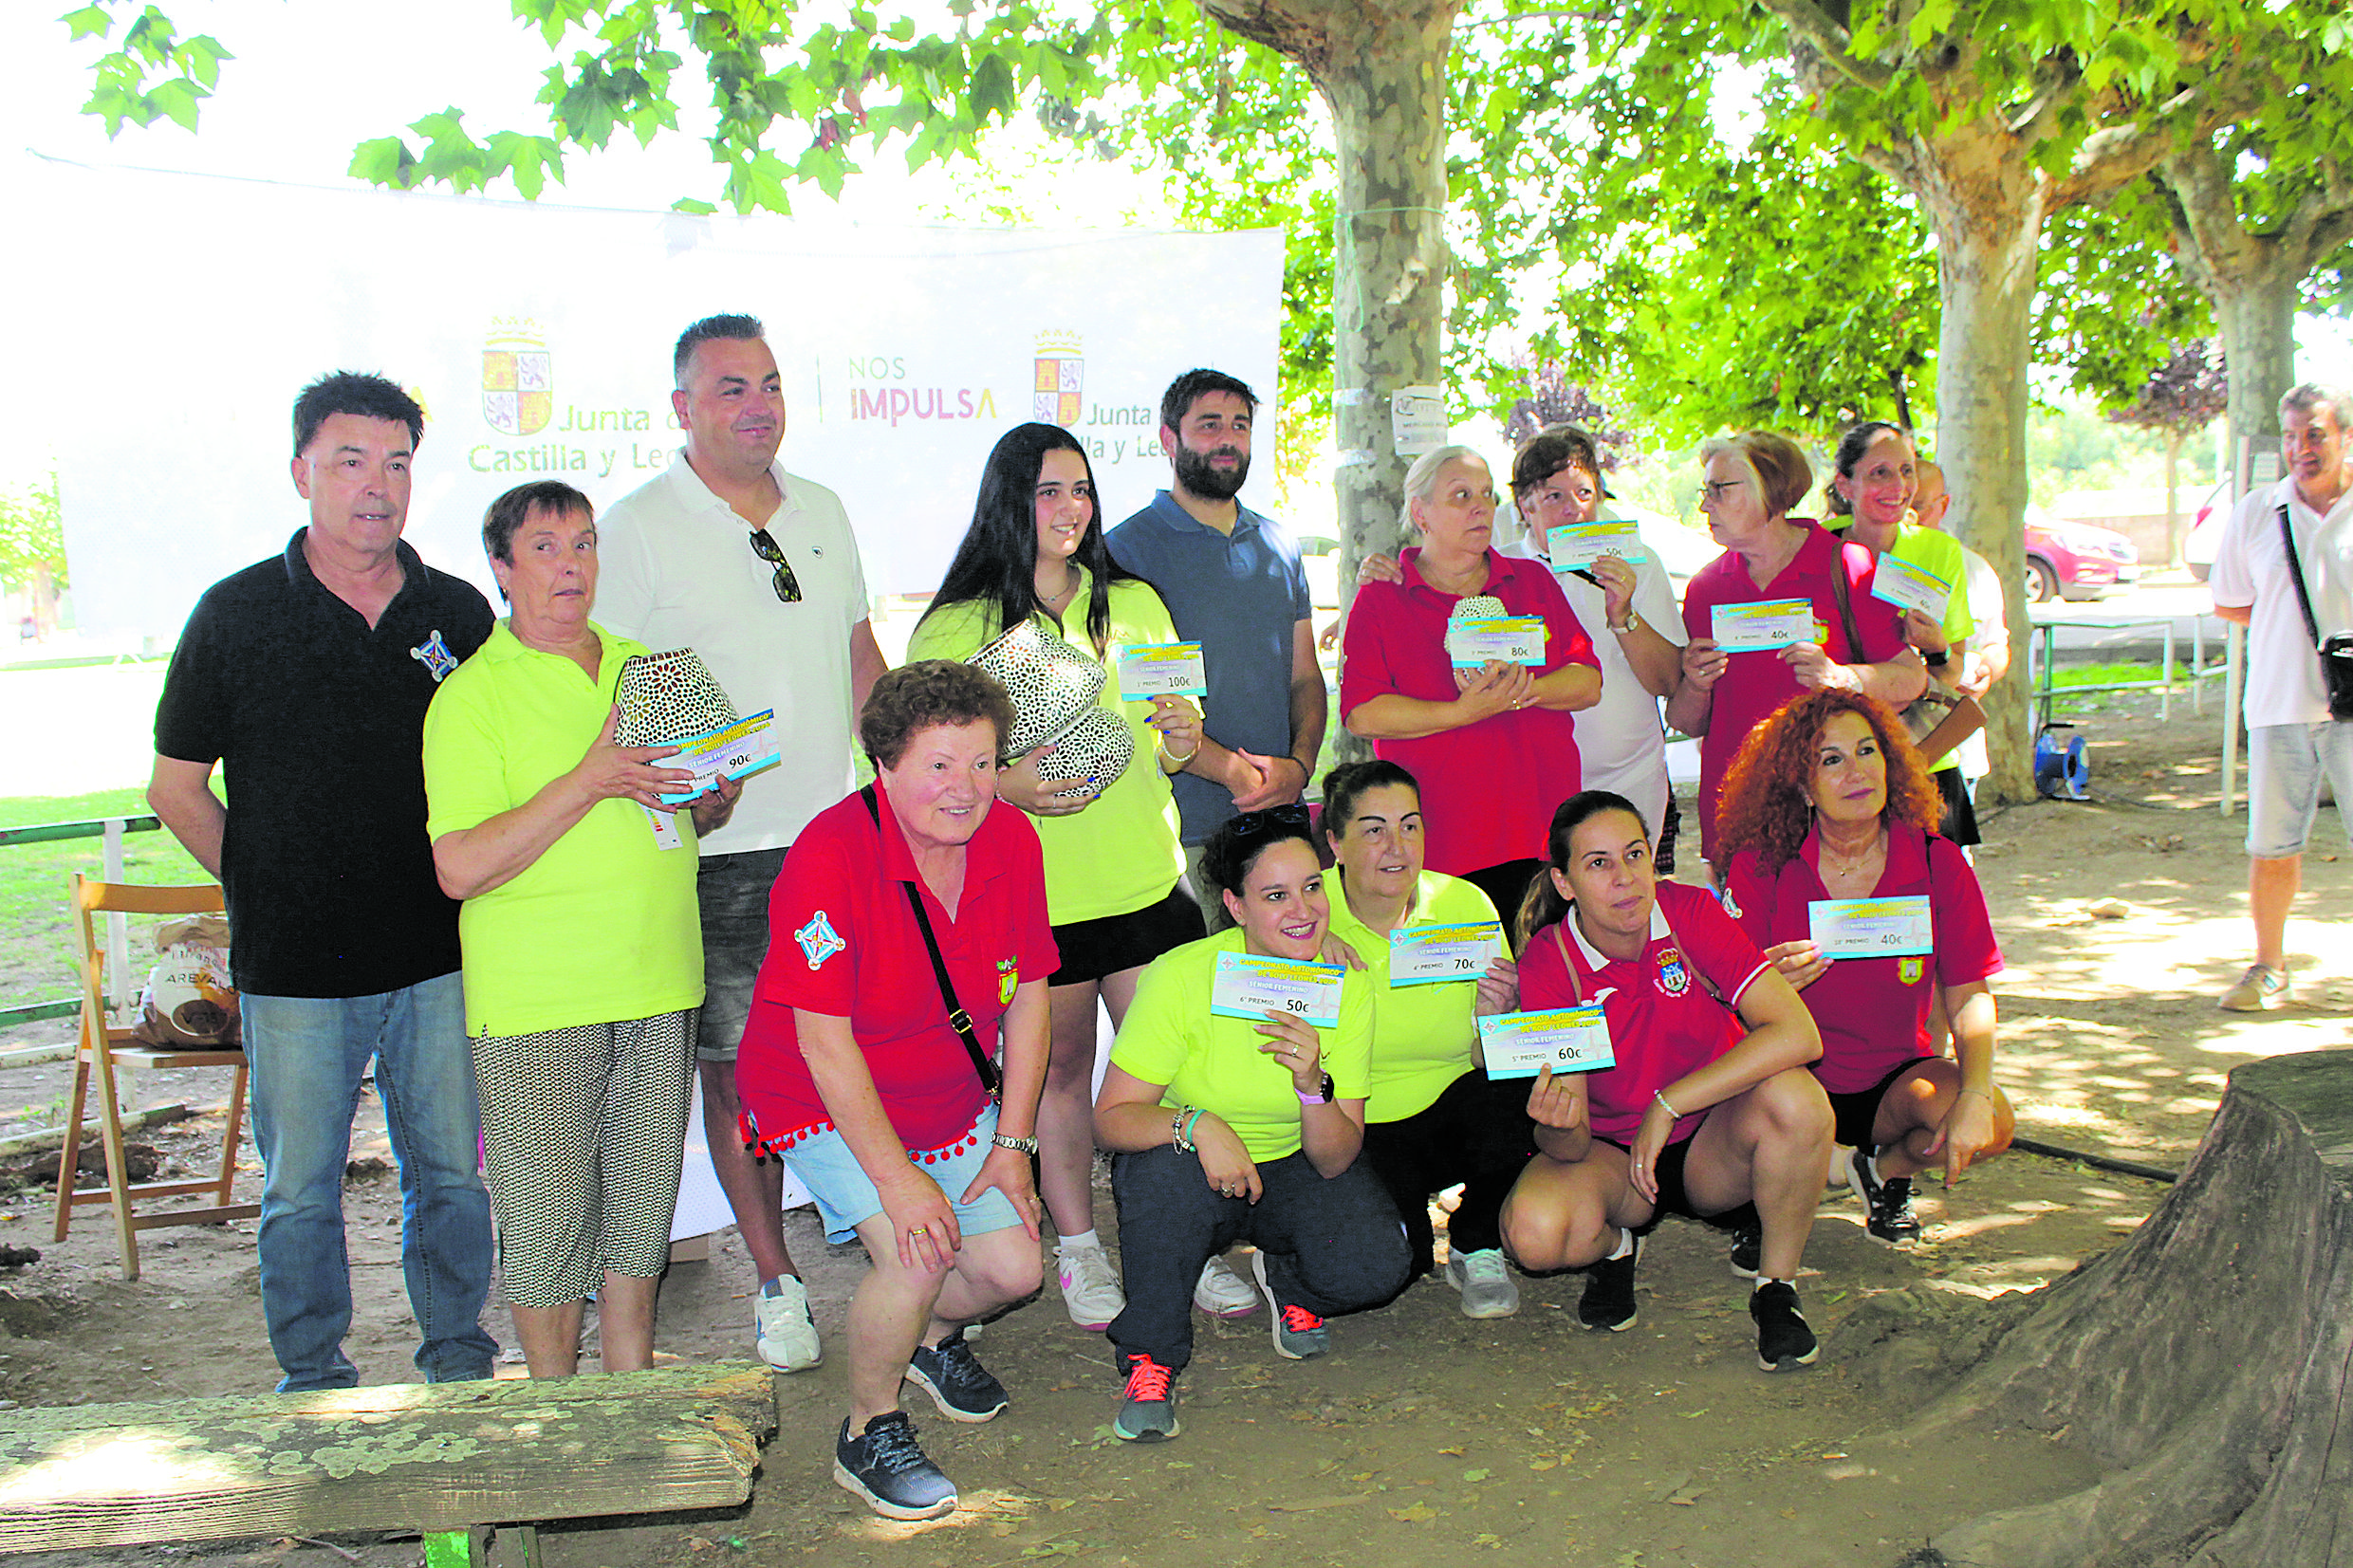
2197	551
2076	560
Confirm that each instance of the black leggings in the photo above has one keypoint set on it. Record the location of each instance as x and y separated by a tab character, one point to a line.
1475	1132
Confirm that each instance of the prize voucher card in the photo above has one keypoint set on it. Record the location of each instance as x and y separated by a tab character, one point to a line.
729	751
1510	639
1582	543
1903	585
1248	985
1757	628
1151	670
1567	1040
1871	927
1431	955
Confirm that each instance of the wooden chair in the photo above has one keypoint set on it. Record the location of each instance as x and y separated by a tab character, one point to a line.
102	1049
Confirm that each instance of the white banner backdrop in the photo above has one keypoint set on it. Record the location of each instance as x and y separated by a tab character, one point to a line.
538	338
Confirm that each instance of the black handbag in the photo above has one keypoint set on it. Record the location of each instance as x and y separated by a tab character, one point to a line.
2336	650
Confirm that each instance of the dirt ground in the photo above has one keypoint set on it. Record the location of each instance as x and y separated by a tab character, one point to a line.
1423	1433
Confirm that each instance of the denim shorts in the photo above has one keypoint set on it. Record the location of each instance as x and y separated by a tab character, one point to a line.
2283	766
731	891
825	1166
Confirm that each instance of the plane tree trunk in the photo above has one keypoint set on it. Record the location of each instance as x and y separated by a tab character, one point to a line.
1382	70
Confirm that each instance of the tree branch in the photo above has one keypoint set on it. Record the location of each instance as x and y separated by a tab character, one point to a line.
1832	42
2112	159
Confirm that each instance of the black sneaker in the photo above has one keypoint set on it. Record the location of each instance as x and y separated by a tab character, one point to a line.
1608	1301
1888	1204
1747	1249
885	1466
1148	1404
1783	1340
958	1384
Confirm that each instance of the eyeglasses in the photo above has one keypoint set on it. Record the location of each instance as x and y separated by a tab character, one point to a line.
1716	489
1279	819
786	585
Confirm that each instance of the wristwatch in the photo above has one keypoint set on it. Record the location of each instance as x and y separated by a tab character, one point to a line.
1634	618
1019	1146
1323	1095
1938	659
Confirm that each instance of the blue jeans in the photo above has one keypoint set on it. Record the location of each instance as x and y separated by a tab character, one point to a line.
306	1055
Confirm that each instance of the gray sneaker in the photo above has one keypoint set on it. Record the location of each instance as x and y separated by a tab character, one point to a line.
1485	1283
1147	1405
885	1466
1299	1334
958	1384
2259	988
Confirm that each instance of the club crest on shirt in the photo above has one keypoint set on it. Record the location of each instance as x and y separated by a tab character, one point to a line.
1908	971
818	940
1674	979
433	654
1009	976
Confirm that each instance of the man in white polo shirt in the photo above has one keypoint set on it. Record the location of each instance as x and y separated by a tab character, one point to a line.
2291	737
756	570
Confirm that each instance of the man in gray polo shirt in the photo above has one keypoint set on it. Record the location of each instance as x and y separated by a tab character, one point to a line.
1232	582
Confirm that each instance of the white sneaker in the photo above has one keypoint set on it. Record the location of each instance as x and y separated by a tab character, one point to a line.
1486	1284
1090	1290
782	1329
2257	991
1222	1293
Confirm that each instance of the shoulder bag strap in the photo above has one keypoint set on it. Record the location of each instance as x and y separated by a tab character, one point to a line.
957	1017
2295	574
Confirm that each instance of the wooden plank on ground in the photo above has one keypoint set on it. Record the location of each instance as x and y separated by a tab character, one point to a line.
406	1456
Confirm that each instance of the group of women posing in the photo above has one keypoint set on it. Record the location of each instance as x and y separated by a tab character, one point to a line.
924	1029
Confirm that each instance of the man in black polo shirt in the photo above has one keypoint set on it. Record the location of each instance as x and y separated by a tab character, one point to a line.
306	678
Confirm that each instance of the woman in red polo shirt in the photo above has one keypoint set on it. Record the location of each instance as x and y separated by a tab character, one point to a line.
1708	1111
1493	745
852	1072
1830	802
1753	480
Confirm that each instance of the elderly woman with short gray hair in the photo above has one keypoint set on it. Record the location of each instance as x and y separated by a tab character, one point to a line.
1491	742
583	956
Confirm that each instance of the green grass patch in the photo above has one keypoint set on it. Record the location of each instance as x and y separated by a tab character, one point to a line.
2128	671
36	939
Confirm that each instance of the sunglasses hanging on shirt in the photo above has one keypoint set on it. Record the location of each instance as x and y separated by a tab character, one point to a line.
786	585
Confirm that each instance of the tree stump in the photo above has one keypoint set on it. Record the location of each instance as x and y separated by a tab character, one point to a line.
2203	1363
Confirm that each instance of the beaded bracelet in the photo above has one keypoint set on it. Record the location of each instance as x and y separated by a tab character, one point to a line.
1181	1128
1661	1096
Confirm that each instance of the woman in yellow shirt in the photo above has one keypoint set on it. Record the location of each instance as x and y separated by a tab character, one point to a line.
1228	1129
1432	1118
1114	867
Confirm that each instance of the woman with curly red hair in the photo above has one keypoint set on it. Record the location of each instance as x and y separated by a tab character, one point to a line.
1827	848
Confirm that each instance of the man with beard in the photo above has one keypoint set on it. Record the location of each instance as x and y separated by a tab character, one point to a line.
1232	582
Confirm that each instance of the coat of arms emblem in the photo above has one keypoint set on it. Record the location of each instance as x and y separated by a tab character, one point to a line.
518	382
1058	374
